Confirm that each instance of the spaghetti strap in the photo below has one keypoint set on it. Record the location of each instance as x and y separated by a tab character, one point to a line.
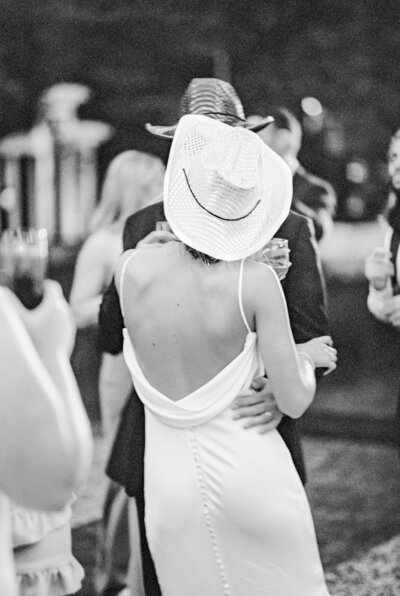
121	279
240	296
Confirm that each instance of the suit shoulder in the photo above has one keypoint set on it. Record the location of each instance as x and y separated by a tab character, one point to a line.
152	212
292	224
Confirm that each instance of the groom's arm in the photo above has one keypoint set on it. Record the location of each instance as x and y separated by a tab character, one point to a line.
111	321
304	285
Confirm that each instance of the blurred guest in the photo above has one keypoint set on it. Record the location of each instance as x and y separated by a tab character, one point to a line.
382	267
312	196
45	438
133	181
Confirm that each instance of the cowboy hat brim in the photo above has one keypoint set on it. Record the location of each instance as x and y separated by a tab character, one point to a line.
167	132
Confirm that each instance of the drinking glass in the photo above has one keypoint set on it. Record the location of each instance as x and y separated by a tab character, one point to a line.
162	226
23	263
275	253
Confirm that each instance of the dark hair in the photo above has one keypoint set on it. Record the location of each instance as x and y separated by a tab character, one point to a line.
196	254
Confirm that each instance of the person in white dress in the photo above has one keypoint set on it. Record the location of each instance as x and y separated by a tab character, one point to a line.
45	438
226	512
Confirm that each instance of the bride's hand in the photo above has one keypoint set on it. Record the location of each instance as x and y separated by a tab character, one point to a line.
321	352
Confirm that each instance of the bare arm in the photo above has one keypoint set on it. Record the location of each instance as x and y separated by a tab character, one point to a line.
258	405
93	272
305	295
45	439
292	378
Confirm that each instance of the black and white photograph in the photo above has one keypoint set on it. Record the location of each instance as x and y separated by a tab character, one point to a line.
199	298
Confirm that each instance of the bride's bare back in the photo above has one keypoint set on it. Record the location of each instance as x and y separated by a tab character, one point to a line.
182	316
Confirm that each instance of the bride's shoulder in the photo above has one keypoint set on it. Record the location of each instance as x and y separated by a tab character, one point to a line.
260	281
138	264
257	270
123	263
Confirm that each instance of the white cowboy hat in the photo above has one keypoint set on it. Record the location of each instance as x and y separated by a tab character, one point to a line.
214	98
225	192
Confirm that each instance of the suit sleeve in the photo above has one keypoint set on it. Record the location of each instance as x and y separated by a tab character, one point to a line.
304	287
110	321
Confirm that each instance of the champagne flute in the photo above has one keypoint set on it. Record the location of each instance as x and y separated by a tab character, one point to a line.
23	263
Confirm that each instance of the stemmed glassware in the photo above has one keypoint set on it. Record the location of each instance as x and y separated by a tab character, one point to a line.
275	253
23	263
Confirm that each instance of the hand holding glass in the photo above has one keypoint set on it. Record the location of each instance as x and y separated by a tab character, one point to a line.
276	254
23	263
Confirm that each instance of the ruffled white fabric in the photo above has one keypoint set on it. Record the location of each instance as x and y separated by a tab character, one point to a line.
7	570
66	579
29	526
46	567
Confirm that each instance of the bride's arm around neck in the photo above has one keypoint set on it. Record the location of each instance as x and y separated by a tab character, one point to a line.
292	379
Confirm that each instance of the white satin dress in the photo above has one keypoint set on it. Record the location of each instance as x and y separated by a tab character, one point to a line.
226	512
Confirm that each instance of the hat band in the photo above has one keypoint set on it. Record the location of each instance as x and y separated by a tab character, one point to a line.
224	114
214	214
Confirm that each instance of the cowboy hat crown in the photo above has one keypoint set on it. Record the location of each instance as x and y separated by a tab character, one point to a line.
213	98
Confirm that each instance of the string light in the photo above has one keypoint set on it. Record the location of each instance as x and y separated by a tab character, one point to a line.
311	106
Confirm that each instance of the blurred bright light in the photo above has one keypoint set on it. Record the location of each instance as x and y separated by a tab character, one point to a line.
357	171
311	106
8	198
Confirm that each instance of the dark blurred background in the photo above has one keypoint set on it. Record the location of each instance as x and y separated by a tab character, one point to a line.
137	57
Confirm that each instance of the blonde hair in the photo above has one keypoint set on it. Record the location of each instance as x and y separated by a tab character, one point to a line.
133	180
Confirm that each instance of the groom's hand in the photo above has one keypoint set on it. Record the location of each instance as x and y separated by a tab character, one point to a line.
257	407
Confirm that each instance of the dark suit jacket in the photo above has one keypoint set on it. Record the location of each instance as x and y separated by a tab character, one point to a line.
311	195
305	296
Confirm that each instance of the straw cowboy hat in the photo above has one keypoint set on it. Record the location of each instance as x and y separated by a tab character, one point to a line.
214	98
226	193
